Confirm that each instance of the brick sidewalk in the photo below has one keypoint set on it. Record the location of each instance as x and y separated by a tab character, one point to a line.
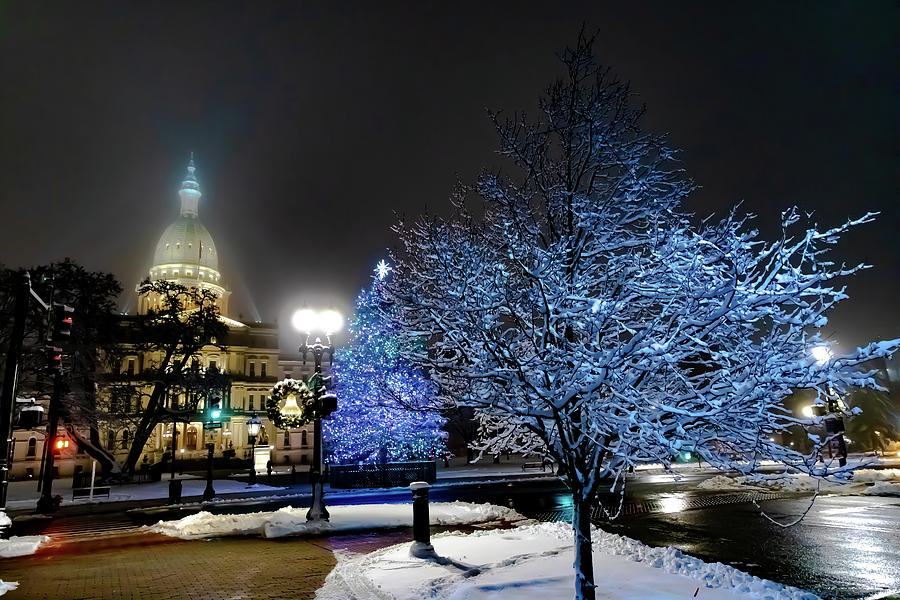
153	566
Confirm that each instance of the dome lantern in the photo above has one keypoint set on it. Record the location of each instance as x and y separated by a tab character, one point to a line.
190	191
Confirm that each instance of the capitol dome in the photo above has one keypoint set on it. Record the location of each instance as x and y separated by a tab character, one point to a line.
186	241
186	253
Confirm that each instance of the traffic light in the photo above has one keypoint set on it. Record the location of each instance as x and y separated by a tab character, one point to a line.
61	321
54	358
215	408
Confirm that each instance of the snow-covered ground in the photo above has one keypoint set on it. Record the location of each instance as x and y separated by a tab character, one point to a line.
362	517
7	586
535	562
871	482
23	495
21	545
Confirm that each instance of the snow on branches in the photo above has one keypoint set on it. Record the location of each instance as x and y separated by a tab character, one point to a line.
580	304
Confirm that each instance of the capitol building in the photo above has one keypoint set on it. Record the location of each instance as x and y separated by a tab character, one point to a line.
250	357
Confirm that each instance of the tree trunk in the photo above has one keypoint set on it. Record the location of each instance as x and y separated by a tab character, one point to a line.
142	432
141	435
108	463
584	557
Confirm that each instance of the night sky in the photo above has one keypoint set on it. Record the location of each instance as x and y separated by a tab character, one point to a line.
313	123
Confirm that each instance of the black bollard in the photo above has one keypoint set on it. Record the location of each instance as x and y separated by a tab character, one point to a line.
421	546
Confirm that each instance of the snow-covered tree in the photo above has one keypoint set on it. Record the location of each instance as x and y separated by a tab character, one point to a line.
580	306
384	402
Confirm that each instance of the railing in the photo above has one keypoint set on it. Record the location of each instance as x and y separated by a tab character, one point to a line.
396	474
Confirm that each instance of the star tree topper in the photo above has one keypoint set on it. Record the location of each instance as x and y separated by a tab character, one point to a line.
382	269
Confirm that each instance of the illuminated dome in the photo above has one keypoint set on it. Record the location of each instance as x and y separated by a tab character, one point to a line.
186	252
186	241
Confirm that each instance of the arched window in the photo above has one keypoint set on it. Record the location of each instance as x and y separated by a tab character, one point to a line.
303	440
287	439
110	440
125	436
32	444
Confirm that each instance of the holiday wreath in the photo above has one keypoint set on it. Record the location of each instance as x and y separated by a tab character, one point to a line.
291	404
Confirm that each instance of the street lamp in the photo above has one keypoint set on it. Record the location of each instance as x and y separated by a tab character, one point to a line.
821	354
328	322
253	430
834	423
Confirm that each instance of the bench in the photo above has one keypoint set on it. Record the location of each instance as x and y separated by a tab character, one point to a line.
538	464
99	490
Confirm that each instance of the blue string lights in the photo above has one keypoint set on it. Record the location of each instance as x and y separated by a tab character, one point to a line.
379	392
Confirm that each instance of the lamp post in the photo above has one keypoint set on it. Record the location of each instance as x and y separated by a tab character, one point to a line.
327	322
834	422
253	430
215	413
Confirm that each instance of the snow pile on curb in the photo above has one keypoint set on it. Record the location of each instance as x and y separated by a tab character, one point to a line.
292	521
21	545
535	562
867	482
7	586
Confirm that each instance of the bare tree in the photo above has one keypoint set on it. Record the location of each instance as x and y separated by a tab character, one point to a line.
181	322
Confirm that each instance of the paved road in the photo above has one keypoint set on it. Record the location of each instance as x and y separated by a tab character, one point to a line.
846	547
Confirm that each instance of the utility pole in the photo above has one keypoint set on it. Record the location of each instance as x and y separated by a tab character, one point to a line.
45	502
10	380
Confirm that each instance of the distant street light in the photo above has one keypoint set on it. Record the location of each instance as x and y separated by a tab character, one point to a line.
834	423
253	426
821	354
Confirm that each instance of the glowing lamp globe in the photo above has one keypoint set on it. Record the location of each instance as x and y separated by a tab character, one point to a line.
253	425
304	320
821	354
290	408
331	321
807	411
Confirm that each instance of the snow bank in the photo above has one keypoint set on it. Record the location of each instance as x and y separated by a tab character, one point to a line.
292	521
7	586
5	521
871	482
21	545
535	562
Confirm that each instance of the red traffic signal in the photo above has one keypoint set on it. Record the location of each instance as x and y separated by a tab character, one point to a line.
54	358
62	320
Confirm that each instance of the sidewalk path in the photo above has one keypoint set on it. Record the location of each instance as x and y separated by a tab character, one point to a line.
154	566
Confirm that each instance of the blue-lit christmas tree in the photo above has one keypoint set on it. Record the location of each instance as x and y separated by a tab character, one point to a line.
381	414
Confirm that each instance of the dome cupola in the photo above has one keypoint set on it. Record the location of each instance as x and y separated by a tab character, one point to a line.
185	252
